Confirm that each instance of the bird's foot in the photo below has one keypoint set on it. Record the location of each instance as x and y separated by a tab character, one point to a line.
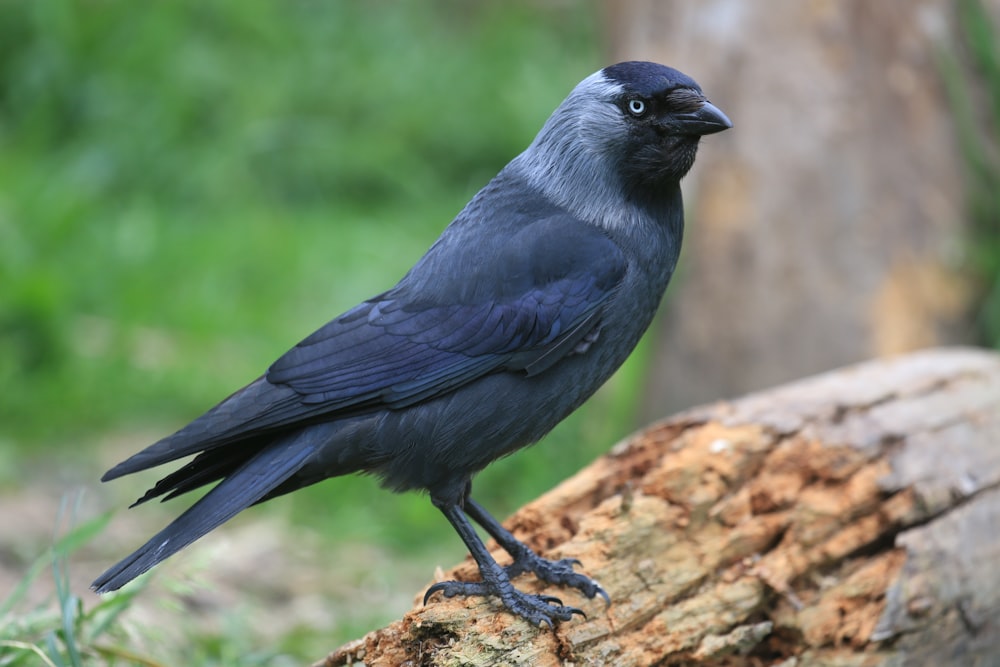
536	609
559	572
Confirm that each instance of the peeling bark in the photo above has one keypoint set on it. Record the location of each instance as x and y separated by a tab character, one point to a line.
849	519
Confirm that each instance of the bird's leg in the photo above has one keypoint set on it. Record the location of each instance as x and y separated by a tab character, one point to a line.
525	560
536	609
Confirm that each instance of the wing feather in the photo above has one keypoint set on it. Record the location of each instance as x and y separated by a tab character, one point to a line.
520	306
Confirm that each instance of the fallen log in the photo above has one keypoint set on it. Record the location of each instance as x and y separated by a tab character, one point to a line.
849	519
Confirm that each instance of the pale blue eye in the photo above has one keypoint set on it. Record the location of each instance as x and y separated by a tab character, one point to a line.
636	107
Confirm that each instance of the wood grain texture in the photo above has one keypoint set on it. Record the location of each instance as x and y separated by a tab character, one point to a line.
849	519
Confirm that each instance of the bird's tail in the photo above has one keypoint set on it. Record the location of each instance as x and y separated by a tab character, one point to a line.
247	485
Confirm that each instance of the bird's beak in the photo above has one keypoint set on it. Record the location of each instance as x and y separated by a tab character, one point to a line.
709	119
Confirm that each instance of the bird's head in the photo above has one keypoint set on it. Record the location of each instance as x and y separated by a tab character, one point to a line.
629	130
661	115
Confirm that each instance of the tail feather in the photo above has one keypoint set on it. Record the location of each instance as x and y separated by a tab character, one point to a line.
259	409
265	471
207	467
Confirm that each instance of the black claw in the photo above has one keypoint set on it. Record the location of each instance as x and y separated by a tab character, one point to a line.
557	572
431	591
536	609
496	580
451	589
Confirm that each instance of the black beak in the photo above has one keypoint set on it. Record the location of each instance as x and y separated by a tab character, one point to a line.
709	119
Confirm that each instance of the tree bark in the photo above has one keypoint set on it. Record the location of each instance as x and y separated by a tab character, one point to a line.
838	192
850	519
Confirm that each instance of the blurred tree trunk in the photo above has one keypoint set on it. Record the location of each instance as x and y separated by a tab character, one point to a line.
826	227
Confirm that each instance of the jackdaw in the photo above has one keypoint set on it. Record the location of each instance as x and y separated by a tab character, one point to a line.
529	300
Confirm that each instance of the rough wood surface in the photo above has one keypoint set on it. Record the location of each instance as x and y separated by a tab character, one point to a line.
851	519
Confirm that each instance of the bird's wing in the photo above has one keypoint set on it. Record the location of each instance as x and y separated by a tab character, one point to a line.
529	304
461	313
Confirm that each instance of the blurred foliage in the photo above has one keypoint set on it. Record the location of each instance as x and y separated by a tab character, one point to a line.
974	89
63	633
188	188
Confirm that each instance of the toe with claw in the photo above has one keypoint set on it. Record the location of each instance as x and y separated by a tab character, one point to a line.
536	609
558	572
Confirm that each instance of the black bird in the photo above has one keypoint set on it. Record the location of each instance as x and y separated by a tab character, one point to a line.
529	301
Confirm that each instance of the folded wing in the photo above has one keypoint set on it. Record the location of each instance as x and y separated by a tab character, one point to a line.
523	306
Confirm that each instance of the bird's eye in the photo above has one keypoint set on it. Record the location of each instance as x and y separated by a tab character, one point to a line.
636	107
